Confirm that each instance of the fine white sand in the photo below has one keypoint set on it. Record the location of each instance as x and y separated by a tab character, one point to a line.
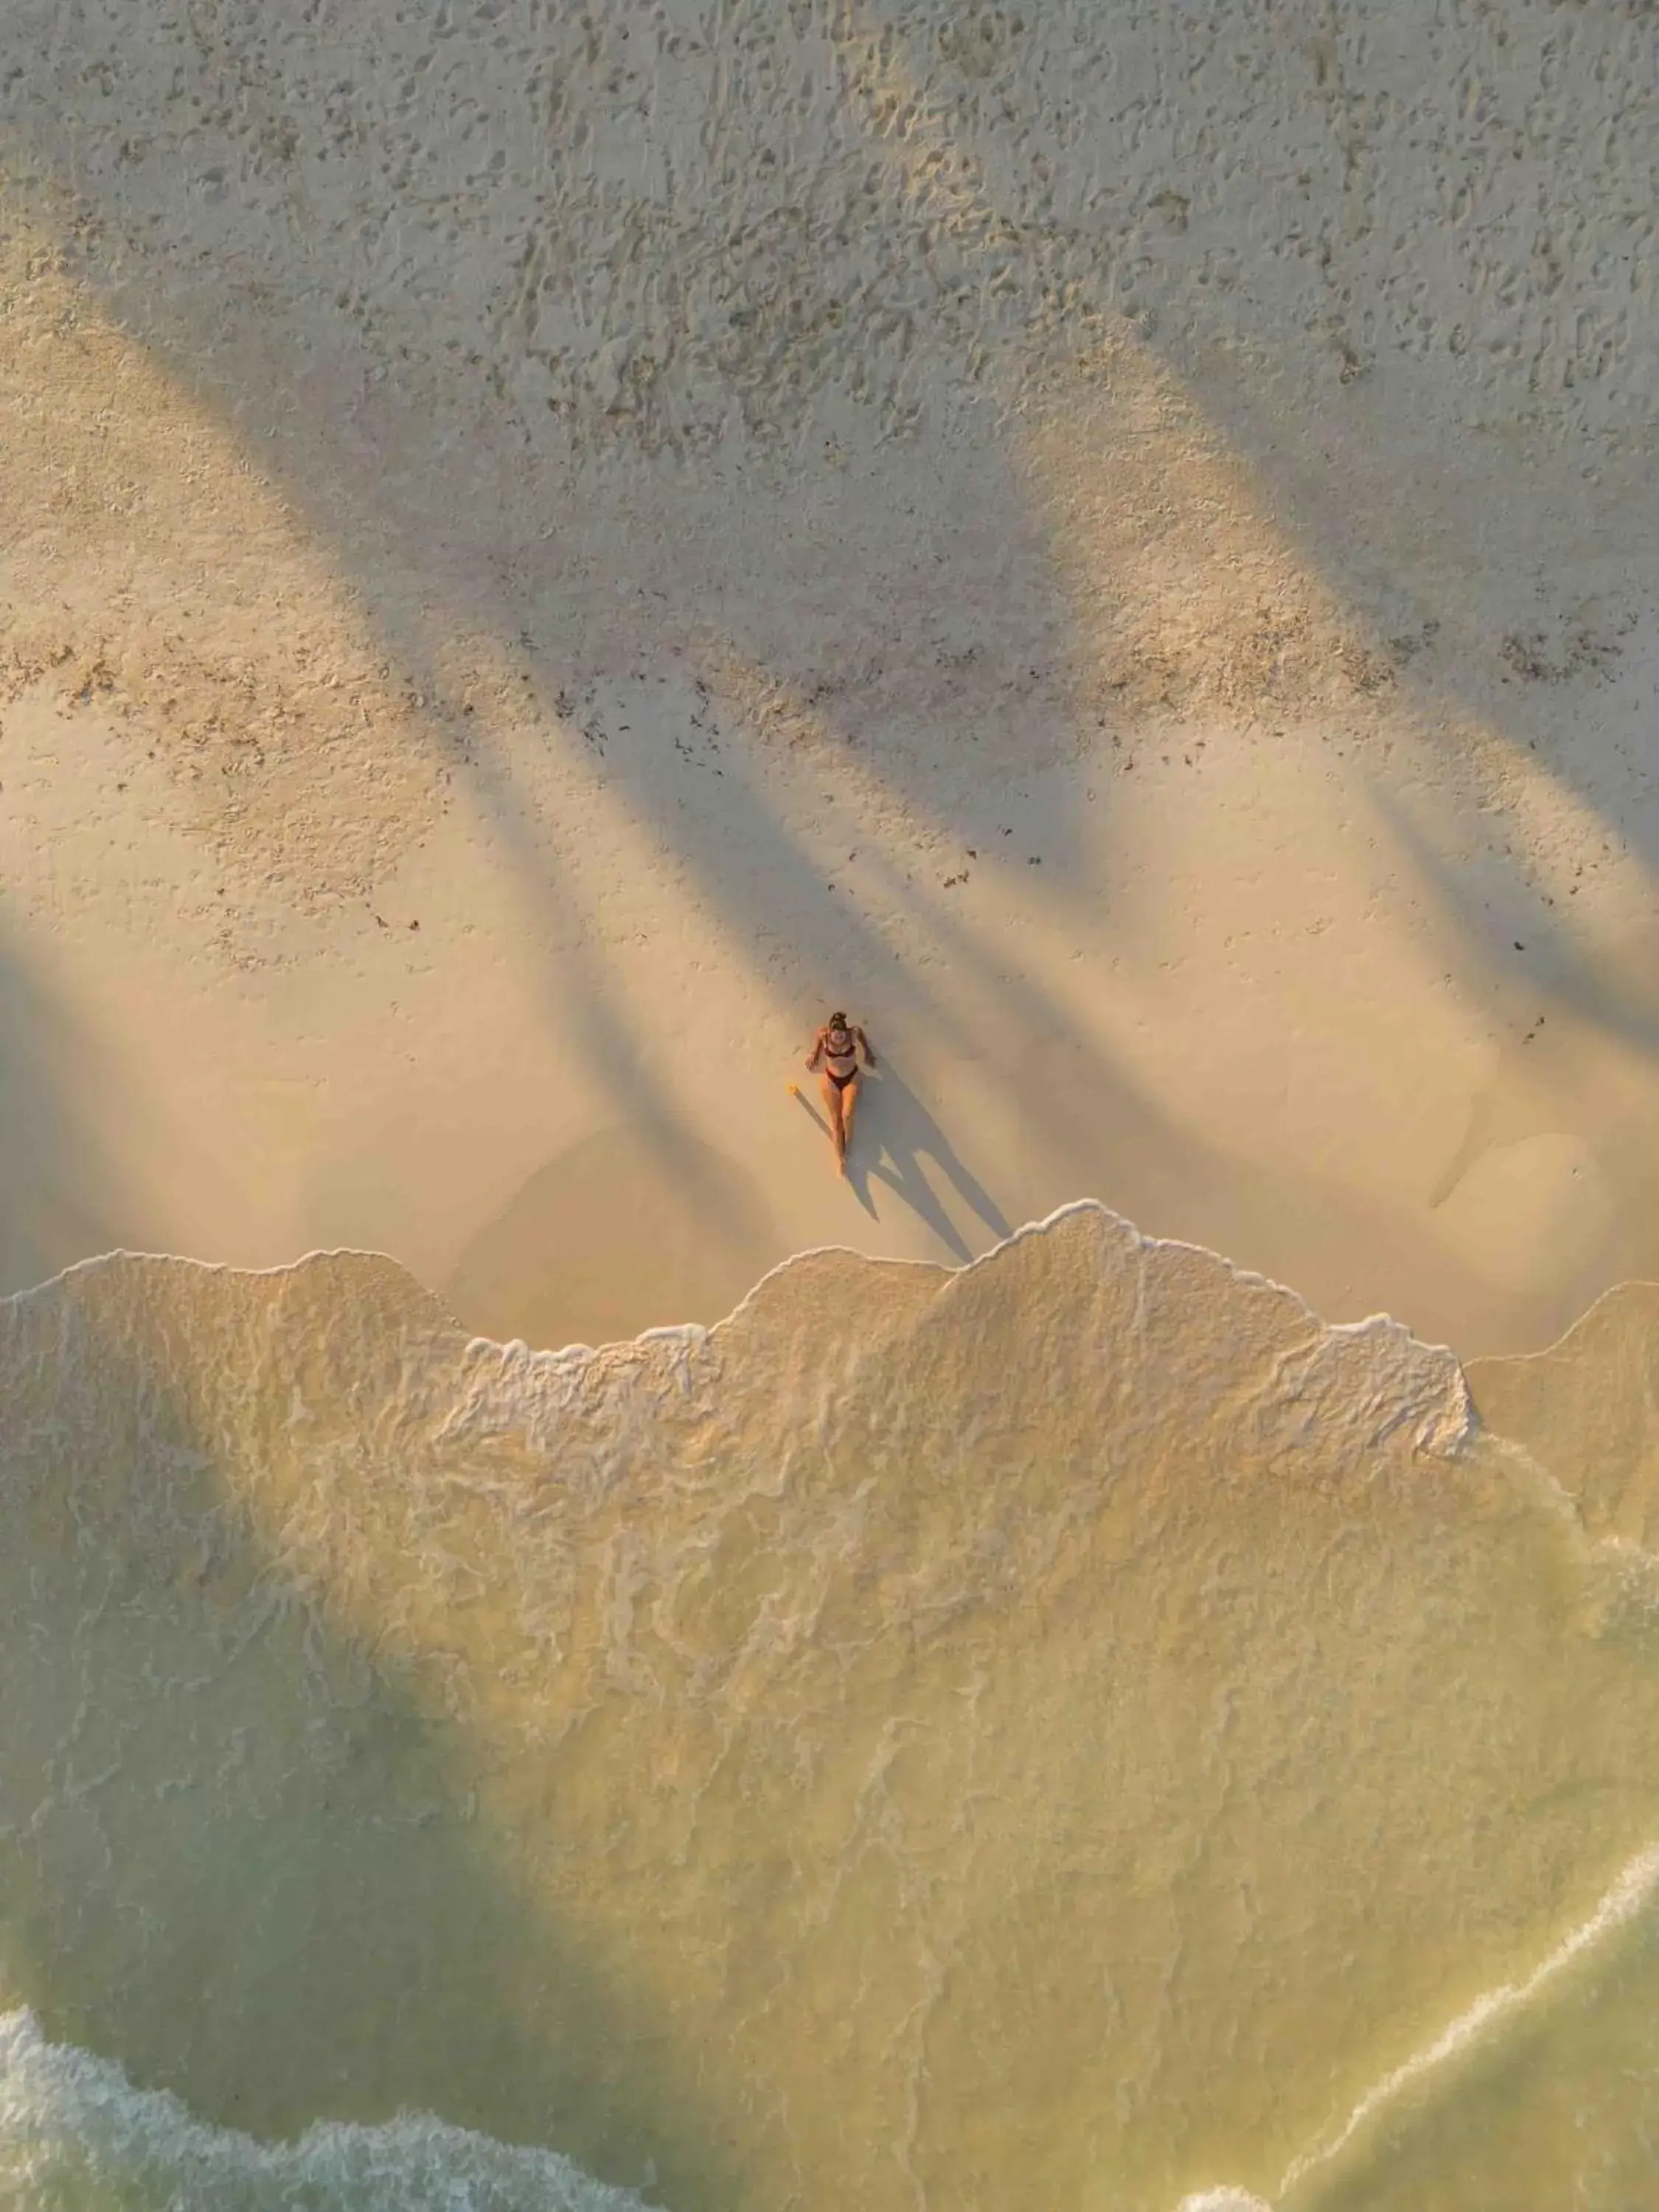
541	552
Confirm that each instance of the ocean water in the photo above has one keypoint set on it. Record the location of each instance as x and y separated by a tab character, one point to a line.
1075	1733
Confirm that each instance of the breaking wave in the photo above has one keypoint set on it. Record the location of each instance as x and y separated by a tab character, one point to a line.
1073	1731
75	2132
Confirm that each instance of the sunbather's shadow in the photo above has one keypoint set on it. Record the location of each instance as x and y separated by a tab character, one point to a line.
896	1127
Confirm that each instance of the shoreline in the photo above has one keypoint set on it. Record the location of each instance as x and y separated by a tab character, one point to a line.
1219	1017
452	756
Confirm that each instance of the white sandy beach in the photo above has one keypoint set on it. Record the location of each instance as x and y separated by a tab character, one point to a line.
536	564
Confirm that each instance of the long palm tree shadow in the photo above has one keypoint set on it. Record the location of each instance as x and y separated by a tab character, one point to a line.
1452	674
313	1917
1550	965
891	1114
640	1098
243	1854
780	892
735	894
783	893
335	453
61	1200
325	454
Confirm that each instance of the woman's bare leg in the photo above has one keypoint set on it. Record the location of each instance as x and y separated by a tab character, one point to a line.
849	1099
832	1099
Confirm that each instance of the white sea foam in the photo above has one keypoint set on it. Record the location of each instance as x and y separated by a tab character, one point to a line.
1625	1899
75	2132
1630	1895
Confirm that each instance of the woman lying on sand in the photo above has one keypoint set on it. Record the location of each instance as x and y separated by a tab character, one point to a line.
838	1045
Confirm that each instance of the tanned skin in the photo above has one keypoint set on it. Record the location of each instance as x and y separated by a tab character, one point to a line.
837	1046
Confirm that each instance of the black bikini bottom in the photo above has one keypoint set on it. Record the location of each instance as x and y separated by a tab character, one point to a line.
841	1082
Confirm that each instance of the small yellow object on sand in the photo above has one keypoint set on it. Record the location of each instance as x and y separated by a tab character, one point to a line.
794	1091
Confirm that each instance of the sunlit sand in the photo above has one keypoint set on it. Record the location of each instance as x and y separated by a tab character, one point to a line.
543	552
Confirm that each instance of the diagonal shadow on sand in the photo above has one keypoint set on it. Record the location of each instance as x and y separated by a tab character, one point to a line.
430	335
894	1124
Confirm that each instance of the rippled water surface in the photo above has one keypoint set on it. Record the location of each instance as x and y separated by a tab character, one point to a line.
1075	1734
